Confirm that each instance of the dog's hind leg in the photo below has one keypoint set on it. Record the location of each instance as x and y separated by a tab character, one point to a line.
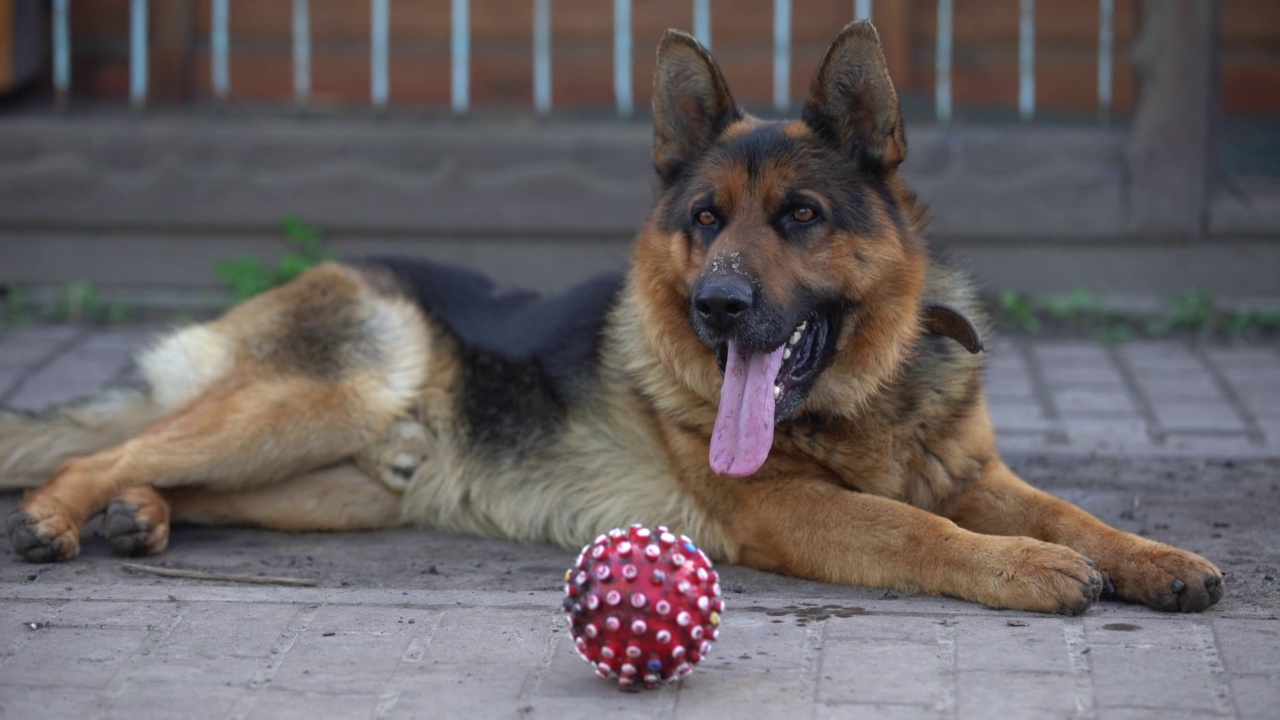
243	432
1133	568
336	498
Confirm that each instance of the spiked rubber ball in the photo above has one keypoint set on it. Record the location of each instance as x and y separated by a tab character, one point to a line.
643	605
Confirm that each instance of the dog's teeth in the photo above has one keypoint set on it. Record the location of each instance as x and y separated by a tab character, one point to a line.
803	325
795	337
777	392
786	353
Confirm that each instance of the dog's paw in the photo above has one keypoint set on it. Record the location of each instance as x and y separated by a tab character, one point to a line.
395	458
43	537
1163	577
1042	577
137	522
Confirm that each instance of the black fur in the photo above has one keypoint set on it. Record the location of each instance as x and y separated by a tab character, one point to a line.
523	353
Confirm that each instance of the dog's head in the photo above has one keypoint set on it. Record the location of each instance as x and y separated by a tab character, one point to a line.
790	250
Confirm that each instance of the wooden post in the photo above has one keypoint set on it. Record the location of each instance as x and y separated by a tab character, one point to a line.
1170	153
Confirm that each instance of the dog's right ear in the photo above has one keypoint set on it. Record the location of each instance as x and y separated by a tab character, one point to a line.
691	104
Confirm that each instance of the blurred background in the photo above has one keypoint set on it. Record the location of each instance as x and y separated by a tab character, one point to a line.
158	153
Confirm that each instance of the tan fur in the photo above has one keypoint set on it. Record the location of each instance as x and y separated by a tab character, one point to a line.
338	403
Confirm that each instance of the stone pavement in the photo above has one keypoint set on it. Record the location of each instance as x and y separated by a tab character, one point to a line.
1174	440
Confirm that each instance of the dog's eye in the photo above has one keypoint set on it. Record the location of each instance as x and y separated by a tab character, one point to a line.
706	218
804	214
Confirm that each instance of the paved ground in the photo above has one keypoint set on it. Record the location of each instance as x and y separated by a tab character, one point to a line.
1176	441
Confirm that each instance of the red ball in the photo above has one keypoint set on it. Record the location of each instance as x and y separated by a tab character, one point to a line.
643	605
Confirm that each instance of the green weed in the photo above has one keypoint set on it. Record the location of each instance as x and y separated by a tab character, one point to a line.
1019	309
246	276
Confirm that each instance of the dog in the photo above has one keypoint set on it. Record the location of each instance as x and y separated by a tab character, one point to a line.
785	374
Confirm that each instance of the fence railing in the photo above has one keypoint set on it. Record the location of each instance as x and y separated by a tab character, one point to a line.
380	12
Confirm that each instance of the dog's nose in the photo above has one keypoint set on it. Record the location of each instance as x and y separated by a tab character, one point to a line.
722	301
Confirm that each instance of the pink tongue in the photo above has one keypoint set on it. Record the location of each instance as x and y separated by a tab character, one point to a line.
743	433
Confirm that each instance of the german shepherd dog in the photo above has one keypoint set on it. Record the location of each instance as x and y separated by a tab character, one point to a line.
784	374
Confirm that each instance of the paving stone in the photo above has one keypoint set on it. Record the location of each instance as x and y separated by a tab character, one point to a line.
1030	644
18	701
1151	677
1095	376
74	657
23	347
986	694
67	378
1257	696
349	648
519	637
217	643
1094	403
1114	432
1143	356
1192	415
173	699
1069	353
896	663
880	711
1022	417
285	704
1179	385
1248	646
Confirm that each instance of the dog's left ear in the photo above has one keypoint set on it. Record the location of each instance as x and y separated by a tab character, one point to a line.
852	100
942	319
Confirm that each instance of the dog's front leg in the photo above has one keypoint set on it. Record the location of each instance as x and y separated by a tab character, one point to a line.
1135	568
817	530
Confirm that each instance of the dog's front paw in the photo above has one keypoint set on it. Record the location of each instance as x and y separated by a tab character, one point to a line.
137	522
43	536
1041	577
1162	577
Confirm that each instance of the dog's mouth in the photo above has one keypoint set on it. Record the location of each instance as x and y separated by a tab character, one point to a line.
762	389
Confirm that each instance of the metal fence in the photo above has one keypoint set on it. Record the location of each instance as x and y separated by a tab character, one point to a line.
460	53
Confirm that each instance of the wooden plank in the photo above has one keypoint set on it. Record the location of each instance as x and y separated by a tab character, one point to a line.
1170	148
8	45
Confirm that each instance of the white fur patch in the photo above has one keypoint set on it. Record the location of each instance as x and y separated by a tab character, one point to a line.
399	330
182	365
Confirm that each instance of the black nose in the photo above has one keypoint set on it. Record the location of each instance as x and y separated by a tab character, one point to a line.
722	301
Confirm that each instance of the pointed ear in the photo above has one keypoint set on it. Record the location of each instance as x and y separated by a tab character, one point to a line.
691	103
852	100
942	319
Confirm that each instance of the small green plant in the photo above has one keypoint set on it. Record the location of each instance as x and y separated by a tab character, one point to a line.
1019	309
1194	310
247	276
16	307
81	302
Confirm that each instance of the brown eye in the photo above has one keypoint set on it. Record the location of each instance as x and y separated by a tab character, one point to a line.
804	214
706	218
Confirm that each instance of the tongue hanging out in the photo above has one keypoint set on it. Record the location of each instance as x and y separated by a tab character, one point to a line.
743	433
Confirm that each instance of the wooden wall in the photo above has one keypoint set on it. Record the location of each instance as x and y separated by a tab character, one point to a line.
984	66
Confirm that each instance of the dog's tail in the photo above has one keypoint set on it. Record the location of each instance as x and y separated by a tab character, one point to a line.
34	445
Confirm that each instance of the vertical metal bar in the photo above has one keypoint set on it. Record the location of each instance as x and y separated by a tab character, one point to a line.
542	56
942	63
460	57
301	52
61	52
138	53
219	43
379	32
702	22
622	57
1106	46
781	55
1027	59
862	10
